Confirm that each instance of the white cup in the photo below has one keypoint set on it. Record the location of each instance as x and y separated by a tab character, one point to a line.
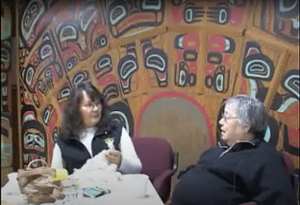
139	184
12	176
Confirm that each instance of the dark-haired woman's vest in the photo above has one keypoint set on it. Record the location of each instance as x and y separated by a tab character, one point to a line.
75	154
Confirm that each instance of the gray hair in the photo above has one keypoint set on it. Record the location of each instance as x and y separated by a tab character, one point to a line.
250	112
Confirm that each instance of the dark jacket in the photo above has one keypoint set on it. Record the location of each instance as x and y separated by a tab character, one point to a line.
247	171
75	154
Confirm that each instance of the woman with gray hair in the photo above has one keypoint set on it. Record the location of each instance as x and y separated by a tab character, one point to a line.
242	168
244	118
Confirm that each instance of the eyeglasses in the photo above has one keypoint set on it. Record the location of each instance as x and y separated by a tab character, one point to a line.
227	118
92	105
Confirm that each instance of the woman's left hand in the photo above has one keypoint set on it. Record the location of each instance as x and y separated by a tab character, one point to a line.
114	156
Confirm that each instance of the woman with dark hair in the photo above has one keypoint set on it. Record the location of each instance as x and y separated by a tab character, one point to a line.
87	129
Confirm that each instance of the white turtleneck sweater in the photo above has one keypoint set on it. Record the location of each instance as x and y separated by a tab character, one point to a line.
130	164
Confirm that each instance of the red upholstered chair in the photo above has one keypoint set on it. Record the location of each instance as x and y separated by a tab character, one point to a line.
159	162
291	170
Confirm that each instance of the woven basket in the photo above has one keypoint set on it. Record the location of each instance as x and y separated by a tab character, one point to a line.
36	184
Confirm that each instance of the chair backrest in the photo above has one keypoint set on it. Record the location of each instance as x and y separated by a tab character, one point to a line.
290	168
156	155
288	164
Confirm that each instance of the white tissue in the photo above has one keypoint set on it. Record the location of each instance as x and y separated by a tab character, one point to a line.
97	171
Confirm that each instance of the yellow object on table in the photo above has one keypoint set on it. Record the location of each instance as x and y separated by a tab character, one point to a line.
61	174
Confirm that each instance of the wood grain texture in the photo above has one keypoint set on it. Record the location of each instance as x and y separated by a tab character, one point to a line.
6	87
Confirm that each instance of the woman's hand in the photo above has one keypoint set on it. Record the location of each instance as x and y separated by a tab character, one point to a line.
114	156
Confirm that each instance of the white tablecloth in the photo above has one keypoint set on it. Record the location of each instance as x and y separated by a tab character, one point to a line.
120	196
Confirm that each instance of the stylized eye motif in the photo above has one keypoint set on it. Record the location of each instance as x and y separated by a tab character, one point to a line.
117	12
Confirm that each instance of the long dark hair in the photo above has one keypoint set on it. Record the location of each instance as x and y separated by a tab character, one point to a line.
72	123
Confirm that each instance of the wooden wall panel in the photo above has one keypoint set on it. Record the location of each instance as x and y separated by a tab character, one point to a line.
259	65
211	15
278	19
286	99
222	58
6	89
185	57
130	74
153	59
128	20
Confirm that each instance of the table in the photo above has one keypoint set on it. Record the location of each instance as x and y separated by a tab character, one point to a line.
117	197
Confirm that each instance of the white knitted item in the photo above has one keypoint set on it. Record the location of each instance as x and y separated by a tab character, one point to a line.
97	171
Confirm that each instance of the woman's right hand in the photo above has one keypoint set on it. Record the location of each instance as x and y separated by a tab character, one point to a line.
114	156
